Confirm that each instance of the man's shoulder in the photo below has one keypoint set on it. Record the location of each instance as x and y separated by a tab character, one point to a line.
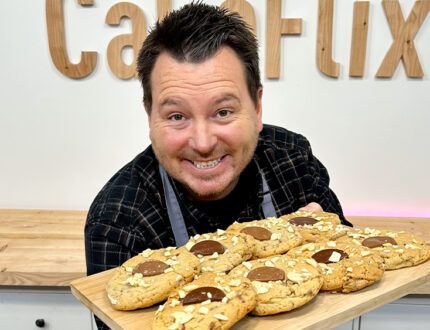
129	187
280	138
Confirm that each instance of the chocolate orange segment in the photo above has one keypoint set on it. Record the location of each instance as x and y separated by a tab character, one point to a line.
301	221
372	242
328	256
259	233
150	268
207	248
266	274
199	295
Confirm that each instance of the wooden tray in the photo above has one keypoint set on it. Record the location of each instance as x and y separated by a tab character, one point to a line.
326	310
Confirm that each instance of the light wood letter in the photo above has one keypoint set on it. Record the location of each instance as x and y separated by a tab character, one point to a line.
134	40
275	27
404	33
57	43
359	38
163	8
324	42
244	9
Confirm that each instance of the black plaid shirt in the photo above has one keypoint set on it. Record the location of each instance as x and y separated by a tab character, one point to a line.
129	214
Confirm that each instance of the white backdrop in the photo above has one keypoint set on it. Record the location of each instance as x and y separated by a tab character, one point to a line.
62	139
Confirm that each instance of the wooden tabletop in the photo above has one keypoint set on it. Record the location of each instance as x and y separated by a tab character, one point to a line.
41	248
46	247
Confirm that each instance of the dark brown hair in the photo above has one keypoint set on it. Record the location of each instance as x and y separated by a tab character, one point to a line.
193	34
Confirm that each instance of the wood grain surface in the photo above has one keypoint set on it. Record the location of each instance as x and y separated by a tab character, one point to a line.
325	37
326	310
275	27
41	247
46	247
404	32
359	38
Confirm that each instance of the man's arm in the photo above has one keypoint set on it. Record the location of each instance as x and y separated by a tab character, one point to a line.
323	197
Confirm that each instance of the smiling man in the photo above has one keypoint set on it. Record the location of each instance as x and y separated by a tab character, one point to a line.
211	160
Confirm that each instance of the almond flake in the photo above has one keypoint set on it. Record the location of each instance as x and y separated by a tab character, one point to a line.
220	232
247	265
147	253
190	287
189	309
295	277
268	263
182	294
221	317
189	245
181	317
203	310
365	253
311	262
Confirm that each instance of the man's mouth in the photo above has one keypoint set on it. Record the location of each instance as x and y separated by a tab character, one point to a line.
209	164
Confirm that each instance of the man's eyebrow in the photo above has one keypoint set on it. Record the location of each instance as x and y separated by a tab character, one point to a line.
170	101
226	98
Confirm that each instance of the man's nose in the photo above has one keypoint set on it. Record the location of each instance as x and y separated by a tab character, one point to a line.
202	139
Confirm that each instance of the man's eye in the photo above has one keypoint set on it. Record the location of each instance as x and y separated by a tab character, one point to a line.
223	113
176	117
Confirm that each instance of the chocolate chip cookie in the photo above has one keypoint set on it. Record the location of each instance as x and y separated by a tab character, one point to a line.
272	236
281	282
221	251
209	302
345	267
149	277
399	249
316	226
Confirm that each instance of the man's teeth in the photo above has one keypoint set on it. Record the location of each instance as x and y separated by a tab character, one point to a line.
212	163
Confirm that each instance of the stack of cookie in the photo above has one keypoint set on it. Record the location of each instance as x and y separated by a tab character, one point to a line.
261	267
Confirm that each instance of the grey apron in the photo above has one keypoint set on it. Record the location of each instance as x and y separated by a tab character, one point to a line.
175	215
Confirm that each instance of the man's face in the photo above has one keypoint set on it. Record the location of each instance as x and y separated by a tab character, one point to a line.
203	123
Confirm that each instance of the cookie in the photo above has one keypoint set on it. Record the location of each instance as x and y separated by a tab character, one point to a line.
316	226
272	236
399	249
209	302
150	277
221	251
346	267
281	282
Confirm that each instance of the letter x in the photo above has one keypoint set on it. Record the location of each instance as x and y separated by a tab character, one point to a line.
404	33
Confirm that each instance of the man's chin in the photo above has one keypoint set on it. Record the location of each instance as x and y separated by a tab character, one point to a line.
202	192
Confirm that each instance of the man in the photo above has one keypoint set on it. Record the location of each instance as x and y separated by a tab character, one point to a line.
211	161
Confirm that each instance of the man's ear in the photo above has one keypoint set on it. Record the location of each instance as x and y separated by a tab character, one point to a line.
147	108
259	108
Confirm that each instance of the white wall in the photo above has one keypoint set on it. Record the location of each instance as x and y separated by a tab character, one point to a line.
62	139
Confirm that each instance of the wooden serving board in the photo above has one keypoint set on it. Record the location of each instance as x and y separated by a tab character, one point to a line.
326	310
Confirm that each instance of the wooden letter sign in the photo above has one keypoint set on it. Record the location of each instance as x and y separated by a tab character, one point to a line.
57	44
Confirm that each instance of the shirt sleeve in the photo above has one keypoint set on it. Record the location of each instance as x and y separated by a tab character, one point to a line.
102	253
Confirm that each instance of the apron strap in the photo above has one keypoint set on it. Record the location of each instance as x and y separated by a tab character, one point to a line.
268	207
175	215
174	211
